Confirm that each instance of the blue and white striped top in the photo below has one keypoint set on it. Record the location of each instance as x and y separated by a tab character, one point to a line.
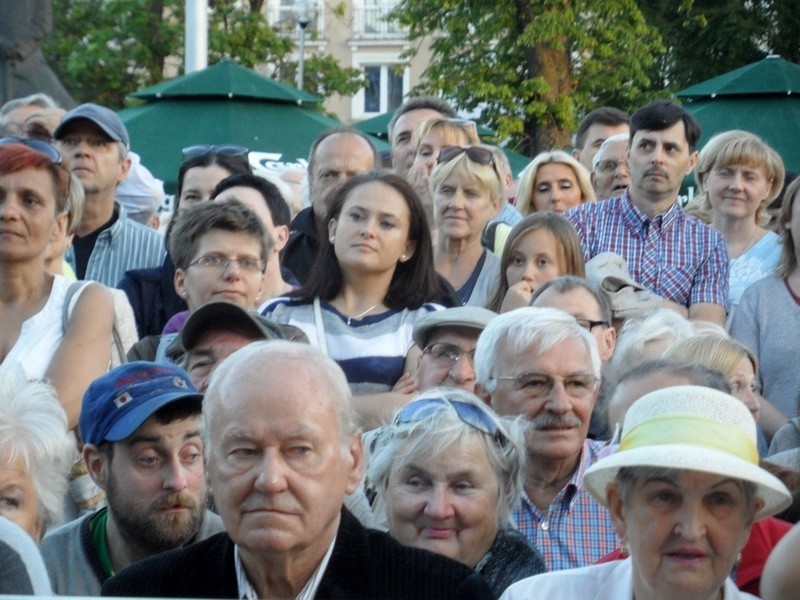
371	351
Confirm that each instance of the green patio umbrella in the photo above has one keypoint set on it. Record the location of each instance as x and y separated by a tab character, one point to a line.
223	104
762	97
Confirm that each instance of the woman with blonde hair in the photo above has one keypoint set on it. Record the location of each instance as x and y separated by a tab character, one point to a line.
553	181
430	137
767	317
467	194
738	175
539	248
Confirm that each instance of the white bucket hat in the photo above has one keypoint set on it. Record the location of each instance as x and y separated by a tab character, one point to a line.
690	428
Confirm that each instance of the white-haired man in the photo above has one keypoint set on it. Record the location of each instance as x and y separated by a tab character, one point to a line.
539	363
610	175
282	453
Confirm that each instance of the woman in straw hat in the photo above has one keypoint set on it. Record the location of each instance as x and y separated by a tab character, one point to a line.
684	489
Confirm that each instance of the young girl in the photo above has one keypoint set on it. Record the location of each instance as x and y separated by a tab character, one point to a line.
541	247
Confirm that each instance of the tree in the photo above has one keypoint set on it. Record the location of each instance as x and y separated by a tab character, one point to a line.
103	50
533	66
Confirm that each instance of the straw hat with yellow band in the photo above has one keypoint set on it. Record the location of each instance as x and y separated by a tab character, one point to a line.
690	428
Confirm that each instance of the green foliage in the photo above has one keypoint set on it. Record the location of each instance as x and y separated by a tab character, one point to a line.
103	50
534	66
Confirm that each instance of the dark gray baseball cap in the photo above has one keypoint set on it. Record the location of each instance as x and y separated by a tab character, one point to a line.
105	118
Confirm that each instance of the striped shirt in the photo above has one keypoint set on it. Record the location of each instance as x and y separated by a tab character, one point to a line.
673	254
371	351
576	530
126	245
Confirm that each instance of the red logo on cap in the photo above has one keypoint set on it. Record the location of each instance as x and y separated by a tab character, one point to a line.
122	400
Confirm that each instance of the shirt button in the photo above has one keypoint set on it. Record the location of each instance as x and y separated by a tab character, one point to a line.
545	525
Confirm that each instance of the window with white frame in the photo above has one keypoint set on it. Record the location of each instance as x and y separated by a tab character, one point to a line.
370	18
279	14
385	87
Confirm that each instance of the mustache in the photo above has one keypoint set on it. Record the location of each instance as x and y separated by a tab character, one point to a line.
546	421
656	171
181	499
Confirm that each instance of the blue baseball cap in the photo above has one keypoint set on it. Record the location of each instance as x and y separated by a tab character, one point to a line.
116	404
105	118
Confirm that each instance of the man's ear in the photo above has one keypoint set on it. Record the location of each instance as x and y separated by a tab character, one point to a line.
124	167
354	455
692	161
179	281
97	463
281	237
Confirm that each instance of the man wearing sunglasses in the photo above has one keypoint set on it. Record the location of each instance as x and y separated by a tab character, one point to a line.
107	242
542	365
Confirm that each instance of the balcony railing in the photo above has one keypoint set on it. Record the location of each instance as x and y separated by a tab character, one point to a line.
370	20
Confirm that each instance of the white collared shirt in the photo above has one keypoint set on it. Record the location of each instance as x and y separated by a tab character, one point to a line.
248	592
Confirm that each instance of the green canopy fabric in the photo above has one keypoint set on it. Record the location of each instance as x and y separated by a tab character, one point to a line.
762	97
223	104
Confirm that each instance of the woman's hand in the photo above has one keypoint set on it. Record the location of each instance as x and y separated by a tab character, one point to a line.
407	384
517	296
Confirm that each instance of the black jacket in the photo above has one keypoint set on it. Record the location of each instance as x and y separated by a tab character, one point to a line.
365	564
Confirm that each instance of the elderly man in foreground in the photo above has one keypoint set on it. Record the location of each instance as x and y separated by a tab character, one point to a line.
282	453
539	363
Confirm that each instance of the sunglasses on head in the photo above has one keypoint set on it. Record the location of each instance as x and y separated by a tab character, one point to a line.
477	154
217	150
471	414
40	146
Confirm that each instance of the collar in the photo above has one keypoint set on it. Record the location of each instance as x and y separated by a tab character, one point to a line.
309	591
637	220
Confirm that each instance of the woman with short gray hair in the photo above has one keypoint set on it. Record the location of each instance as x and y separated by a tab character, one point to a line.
448	472
36	453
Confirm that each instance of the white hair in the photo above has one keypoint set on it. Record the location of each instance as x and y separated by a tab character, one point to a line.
617	137
33	428
228	376
441	433
528	329
660	325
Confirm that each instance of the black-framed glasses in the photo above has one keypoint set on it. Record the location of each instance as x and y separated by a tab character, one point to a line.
477	154
471	414
218	261
589	324
40	146
446	355
217	150
540	385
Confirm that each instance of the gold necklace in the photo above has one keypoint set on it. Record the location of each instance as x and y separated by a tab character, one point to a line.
746	246
358	316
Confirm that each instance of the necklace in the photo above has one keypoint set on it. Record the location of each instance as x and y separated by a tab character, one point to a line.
358	316
746	246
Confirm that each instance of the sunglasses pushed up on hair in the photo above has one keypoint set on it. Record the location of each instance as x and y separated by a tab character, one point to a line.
40	146
216	150
477	154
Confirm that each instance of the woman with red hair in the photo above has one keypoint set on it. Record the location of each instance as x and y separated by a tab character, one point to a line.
69	346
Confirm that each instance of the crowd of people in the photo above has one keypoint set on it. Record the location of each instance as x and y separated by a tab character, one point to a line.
433	379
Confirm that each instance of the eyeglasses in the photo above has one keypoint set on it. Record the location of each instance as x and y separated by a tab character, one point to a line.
477	154
40	146
589	324
217	150
217	261
610	166
540	385
471	414
447	355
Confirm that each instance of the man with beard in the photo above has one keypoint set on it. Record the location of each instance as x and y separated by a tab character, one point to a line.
540	364
681	259
141	427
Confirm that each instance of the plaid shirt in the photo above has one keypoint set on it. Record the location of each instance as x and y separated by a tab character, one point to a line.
674	255
575	531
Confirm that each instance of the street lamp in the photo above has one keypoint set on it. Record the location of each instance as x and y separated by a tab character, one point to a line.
304	12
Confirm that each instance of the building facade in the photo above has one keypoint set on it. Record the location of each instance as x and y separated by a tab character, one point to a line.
358	35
